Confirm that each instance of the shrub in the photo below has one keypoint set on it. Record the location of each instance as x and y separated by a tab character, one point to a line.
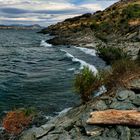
16	121
111	54
121	73
86	82
94	25
132	11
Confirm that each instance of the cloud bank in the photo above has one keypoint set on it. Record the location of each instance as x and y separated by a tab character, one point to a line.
46	12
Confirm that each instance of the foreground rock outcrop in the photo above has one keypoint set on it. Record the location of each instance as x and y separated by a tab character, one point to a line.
73	125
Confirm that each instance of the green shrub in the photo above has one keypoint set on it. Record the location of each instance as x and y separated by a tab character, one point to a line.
29	111
94	25
132	11
111	54
86	82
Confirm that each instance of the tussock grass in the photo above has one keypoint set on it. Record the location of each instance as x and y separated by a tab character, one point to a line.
111	54
86	82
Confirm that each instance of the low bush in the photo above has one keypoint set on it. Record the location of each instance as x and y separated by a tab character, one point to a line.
16	121
132	11
111	54
86	82
121	73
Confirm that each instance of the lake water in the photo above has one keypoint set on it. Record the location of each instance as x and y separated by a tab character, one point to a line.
34	73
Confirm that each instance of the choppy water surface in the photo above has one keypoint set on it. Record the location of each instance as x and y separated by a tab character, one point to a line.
33	73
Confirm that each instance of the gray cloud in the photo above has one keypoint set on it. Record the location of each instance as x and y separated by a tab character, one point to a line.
9	10
46	12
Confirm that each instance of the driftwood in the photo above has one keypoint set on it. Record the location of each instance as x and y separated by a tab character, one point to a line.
112	117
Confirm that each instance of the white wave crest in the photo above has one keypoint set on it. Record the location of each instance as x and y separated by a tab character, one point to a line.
91	52
45	44
71	69
83	63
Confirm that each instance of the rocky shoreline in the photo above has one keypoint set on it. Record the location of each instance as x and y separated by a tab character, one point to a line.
72	124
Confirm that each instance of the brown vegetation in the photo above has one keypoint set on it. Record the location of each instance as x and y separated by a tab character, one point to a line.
16	121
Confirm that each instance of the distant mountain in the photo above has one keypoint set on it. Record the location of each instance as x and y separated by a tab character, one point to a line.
20	26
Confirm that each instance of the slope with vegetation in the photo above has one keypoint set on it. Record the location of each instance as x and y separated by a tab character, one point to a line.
118	25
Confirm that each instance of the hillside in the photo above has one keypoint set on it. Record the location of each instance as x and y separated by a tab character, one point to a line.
118	23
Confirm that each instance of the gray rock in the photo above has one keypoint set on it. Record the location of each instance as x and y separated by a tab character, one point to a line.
67	124
132	35
50	137
124	133
124	94
135	138
39	132
94	130
112	133
136	101
48	127
58	130
28	135
75	134
132	96
122	105
99	105
64	136
103	138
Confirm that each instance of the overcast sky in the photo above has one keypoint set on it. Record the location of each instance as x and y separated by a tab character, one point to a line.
46	12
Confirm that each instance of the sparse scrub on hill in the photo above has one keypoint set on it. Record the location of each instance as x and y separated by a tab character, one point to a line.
132	11
111	54
86	82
